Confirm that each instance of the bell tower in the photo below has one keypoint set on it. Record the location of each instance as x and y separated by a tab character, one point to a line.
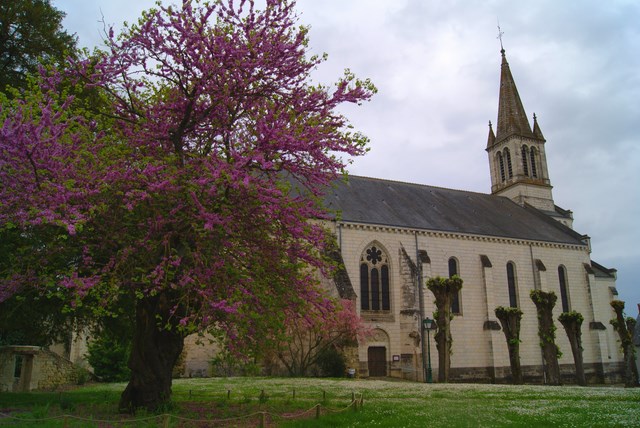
517	156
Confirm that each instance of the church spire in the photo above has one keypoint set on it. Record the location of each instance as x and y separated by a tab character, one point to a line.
517	156
512	119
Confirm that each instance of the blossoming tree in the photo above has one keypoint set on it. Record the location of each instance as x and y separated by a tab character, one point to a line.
308	336
169	187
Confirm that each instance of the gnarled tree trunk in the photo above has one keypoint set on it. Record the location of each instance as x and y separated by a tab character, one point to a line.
510	320
154	352
572	321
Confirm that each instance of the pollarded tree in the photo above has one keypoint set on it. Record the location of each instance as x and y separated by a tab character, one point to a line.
545	301
174	193
510	320
572	323
444	290
625	327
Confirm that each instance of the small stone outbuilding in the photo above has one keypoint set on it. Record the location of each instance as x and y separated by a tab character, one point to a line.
31	368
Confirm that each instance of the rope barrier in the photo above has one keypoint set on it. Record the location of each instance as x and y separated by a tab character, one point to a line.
166	417
80	418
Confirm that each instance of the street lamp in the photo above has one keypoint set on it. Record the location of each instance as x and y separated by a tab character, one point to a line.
428	324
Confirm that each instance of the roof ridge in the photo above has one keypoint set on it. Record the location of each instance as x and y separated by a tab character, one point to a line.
421	185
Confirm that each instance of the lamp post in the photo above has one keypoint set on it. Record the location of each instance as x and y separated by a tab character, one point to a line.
428	324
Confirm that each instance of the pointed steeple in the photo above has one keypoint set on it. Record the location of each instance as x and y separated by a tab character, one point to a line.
536	128
492	137
517	156
512	119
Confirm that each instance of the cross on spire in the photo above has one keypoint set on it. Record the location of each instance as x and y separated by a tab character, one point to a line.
500	34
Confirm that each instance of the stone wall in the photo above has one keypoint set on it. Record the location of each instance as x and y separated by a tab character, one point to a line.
196	357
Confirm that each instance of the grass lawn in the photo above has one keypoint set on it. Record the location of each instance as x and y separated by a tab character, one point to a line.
385	404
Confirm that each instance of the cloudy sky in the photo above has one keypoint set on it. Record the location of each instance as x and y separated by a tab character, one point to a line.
437	67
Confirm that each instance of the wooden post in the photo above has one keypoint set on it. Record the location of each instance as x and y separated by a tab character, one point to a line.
228	394
263	419
166	418
65	421
317	411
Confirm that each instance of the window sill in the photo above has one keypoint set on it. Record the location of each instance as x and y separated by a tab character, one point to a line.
377	316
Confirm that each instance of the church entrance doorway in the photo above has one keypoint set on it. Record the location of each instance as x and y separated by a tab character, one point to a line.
377	361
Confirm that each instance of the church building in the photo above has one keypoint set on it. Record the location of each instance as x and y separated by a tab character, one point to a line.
393	236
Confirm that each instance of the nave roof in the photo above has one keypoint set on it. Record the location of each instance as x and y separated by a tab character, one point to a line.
416	206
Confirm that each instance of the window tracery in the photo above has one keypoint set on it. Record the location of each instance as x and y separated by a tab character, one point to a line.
374	279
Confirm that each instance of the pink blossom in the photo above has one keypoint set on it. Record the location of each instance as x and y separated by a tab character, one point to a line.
177	189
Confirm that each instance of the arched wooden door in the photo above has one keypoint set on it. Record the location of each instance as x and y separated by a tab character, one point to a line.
377	357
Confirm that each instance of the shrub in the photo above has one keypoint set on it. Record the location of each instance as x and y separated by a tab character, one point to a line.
109	356
331	363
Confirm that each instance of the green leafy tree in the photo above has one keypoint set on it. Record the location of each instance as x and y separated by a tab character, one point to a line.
30	32
109	355
30	314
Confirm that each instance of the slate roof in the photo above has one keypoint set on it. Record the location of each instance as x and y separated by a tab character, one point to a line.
417	206
601	271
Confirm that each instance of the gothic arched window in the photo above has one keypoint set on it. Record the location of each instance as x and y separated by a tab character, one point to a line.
564	294
534	168
525	161
501	164
507	155
453	270
374	279
511	283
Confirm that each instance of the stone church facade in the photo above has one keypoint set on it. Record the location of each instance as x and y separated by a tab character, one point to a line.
393	236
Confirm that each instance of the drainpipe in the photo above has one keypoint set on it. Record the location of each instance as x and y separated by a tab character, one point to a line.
421	303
